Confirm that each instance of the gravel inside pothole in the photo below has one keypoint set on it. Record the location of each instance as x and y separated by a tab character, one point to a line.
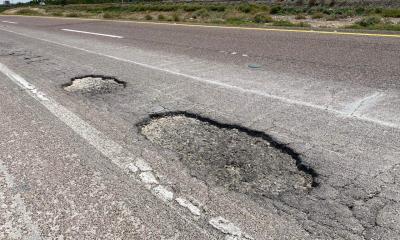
227	156
94	85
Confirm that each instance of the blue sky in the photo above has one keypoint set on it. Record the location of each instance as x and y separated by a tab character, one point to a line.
15	1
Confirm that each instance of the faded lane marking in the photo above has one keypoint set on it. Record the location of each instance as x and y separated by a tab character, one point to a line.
232	27
340	113
9	22
91	33
227	227
20	205
137	167
354	108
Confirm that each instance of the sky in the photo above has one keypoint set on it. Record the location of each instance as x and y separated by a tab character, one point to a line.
15	1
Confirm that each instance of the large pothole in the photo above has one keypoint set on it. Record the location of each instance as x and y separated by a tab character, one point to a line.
94	84
236	158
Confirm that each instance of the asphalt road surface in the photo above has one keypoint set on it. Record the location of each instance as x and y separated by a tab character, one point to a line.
75	162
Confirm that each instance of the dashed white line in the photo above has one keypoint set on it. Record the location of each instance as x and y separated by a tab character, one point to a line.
227	85
112	150
9	22
190	206
227	227
91	33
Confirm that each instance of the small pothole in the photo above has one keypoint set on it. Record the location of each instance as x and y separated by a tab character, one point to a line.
234	157
94	84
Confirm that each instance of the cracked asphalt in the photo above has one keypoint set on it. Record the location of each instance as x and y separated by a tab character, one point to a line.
332	100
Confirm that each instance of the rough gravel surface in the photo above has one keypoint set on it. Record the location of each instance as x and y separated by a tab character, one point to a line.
228	157
93	85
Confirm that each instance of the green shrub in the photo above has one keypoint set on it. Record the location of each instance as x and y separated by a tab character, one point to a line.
111	15
161	17
302	24
317	15
148	17
57	14
264	8
245	8
201	13
391	12
300	16
235	21
72	14
176	17
276	9
285	23
380	26
360	11
262	18
191	7
377	11
216	8
369	21
27	11
3	8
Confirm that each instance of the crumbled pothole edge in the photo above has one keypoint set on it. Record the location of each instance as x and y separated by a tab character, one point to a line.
103	77
300	164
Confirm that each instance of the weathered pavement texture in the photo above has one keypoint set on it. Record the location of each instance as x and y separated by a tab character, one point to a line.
79	166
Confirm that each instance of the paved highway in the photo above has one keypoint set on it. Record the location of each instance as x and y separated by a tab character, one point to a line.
77	166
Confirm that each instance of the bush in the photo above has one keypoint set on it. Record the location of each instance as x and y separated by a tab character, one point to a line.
107	15
317	15
360	11
216	8
27	11
245	8
285	23
276	10
148	17
264	8
111	15
235	21
161	17
57	14
191	7
391	12
72	14
300	16
369	21
201	13
176	17
380	26
262	18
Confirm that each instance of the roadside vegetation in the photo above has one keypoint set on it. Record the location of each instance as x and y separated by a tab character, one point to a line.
323	16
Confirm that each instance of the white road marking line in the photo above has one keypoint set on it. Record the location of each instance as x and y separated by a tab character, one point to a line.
354	107
91	33
9	22
20	205
148	178
229	228
112	150
339	113
190	206
163	193
335	32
